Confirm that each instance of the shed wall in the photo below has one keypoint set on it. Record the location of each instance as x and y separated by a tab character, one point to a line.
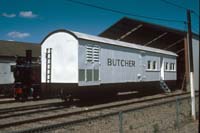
195	46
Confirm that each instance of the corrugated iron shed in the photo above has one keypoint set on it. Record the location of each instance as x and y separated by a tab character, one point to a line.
146	34
152	35
12	48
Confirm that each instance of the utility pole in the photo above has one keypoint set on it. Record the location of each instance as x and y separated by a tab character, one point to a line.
189	38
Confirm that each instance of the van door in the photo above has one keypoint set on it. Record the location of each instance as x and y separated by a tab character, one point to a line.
142	67
162	69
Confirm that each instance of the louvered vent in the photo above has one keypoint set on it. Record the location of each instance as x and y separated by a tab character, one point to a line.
92	53
96	54
89	54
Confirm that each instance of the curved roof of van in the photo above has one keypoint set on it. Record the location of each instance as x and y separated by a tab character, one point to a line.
103	40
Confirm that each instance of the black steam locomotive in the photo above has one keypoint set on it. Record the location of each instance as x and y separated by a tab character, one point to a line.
27	77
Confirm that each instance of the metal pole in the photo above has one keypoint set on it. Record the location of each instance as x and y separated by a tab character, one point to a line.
187	73
189	36
120	123
177	113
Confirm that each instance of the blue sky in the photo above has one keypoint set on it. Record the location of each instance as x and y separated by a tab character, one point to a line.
32	20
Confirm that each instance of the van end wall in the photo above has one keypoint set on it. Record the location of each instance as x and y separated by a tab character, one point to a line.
64	58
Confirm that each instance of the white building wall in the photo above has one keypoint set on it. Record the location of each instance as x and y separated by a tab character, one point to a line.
6	76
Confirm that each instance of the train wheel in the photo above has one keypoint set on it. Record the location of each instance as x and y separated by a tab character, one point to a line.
68	98
17	98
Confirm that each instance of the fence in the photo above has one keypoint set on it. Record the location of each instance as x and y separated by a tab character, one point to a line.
158	117
153	118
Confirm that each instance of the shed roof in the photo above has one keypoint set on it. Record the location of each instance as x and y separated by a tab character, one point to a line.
12	48
146	34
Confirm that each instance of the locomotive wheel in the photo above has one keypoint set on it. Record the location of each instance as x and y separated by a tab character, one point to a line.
17	98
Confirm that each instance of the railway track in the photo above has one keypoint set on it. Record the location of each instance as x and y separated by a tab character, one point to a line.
82	111
2	96
12	100
29	107
6	100
31	110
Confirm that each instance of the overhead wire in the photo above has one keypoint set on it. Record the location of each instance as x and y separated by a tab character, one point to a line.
184	8
179	6
176	5
195	13
130	14
195	30
124	13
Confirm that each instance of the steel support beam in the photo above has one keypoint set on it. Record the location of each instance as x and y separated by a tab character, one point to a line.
174	44
179	51
155	39
131	31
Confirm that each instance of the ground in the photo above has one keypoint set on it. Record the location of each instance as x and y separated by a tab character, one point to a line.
192	127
